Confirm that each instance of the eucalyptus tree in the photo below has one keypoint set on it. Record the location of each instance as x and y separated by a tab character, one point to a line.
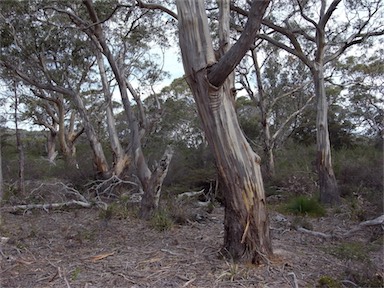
246	226
39	56
364	85
99	21
281	94
318	33
209	75
53	112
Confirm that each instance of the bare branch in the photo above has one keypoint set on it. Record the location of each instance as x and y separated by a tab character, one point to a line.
297	51
220	71
153	6
358	39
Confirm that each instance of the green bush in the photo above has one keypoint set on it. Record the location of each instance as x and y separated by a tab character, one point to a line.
161	220
302	205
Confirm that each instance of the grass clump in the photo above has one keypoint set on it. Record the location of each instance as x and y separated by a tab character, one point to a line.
351	251
303	205
328	282
161	220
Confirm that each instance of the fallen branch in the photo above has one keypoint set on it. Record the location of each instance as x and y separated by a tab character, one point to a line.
374	222
46	207
377	221
190	194
107	186
314	233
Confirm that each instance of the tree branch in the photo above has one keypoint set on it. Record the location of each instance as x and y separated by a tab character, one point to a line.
219	72
153	6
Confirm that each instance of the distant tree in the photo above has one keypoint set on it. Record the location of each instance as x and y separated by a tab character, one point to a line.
362	78
319	33
281	95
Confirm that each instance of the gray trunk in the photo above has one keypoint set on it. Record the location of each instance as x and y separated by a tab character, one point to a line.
329	193
99	159
246	225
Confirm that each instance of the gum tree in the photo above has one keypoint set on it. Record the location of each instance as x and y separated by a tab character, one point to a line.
246	225
318	33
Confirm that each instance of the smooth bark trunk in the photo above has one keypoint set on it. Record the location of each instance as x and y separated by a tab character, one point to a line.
99	159
120	157
329	193
268	143
246	225
151	187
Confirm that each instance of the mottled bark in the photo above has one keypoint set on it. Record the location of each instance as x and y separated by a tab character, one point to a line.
246	224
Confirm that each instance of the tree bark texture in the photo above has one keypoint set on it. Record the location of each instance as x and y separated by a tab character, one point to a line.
329	193
150	201
246	225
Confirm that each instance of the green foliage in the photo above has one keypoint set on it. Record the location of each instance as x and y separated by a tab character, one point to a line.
305	206
351	251
75	274
328	282
161	220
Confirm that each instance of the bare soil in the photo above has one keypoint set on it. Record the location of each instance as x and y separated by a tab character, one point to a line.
75	248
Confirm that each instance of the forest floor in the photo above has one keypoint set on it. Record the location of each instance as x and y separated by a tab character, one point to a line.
77	248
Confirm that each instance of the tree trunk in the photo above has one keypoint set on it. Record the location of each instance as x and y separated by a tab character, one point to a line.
268	145
150	201
19	146
1	173
150	182
51	146
120	158
246	225
329	193
100	161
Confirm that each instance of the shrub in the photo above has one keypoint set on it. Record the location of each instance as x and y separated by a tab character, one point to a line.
305	206
161	221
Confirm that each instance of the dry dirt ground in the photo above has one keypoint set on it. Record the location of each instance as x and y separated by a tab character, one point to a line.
75	248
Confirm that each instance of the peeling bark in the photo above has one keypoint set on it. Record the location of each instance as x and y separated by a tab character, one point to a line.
246	223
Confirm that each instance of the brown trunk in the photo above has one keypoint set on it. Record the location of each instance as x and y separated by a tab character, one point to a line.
246	224
329	193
